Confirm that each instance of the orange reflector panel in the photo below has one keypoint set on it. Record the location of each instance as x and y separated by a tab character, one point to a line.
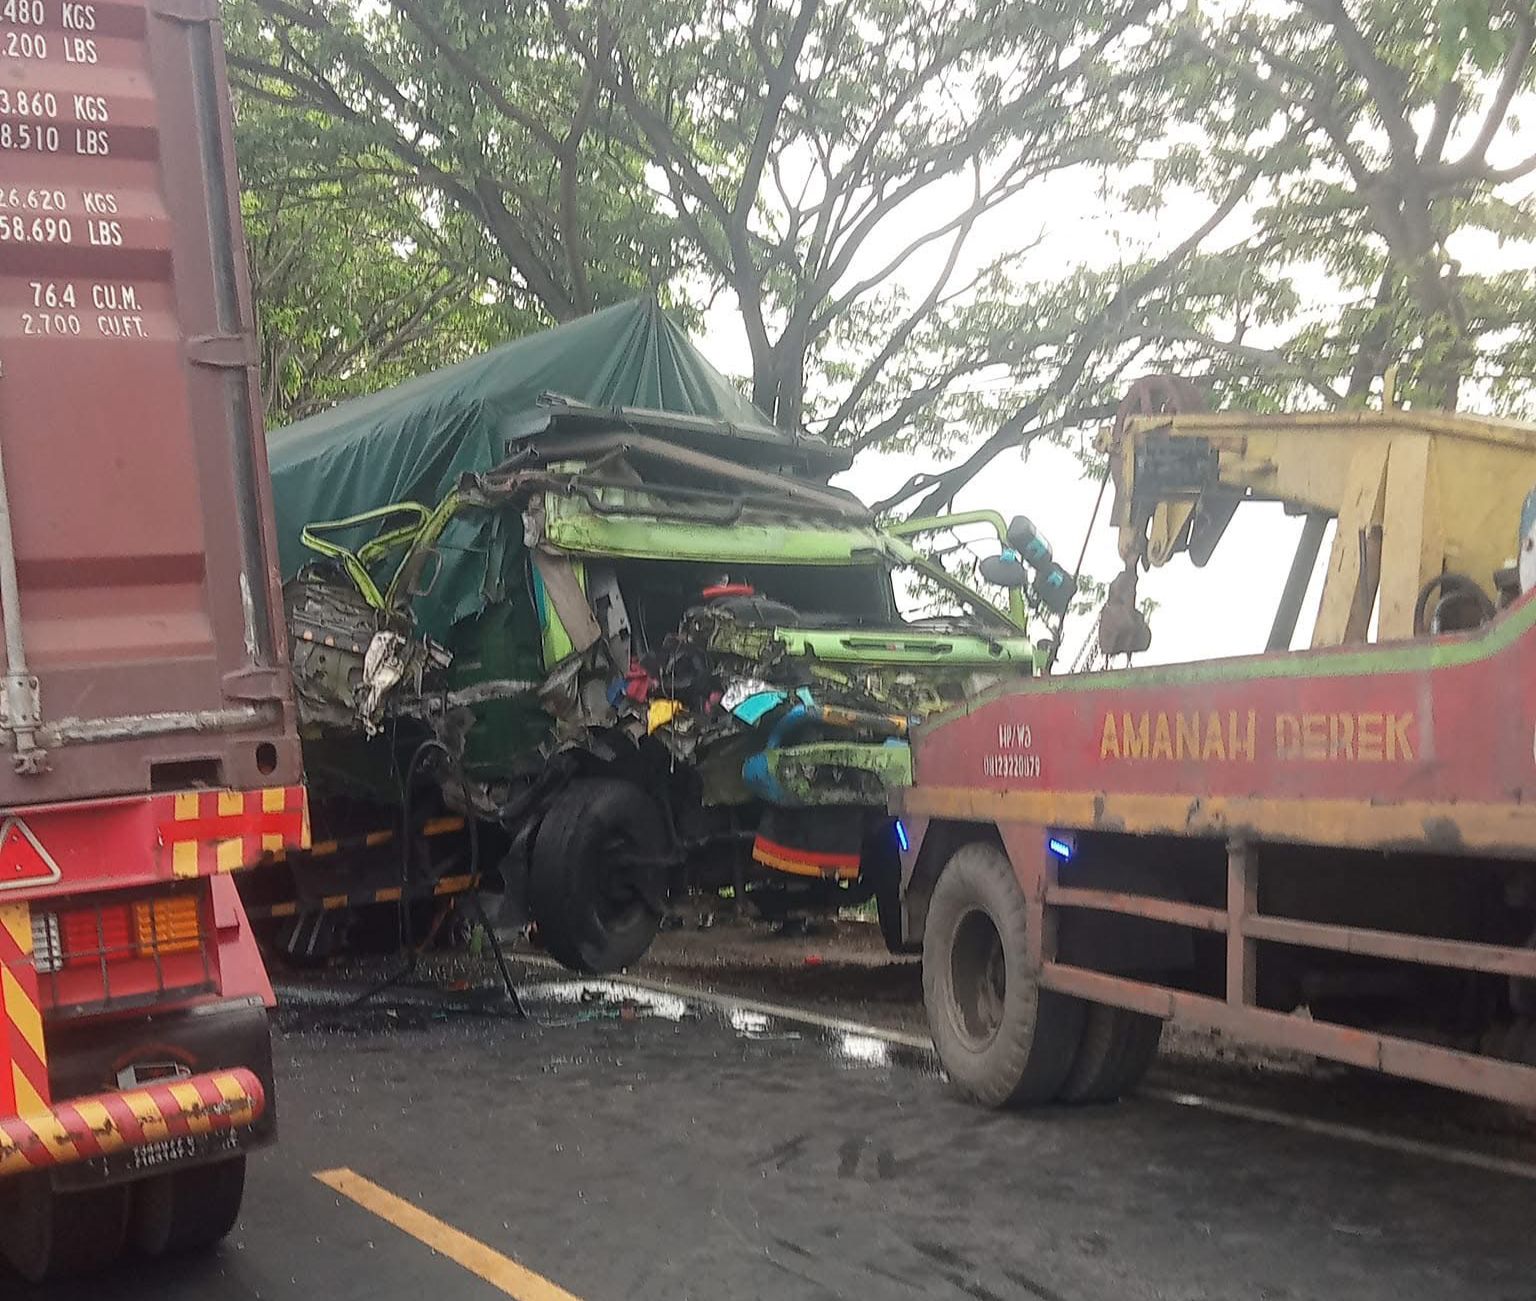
172	925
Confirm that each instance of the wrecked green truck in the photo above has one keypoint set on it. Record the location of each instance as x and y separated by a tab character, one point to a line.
573	625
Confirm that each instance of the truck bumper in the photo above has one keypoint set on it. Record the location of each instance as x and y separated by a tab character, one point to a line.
180	1116
226	1042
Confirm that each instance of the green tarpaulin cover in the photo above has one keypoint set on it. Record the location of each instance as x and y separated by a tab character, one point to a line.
414	442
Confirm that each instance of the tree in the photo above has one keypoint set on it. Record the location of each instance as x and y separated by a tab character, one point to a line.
1403	115
1368	145
481	114
833	166
357	287
852	174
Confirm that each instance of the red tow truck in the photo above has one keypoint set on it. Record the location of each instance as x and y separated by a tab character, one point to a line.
1330	851
147	739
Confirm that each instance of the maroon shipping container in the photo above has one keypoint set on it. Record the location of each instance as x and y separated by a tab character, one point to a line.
138	590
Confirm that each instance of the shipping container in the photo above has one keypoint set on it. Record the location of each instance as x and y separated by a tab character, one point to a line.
144	603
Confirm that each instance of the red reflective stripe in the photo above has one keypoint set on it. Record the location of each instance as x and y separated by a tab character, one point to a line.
35	1071
79	1132
28	1143
122	1116
176	1122
798	855
208	1091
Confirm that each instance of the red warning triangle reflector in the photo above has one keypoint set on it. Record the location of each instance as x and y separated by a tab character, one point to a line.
23	861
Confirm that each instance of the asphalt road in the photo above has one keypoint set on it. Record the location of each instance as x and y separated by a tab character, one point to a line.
622	1148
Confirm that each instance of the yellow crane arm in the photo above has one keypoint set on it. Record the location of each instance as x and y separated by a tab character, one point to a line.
1416	494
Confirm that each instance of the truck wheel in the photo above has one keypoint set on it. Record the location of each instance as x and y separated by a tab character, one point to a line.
1002	1039
187	1210
1116	1049
595	912
46	1235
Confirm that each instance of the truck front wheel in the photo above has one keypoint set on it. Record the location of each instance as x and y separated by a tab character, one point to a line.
1002	1039
598	874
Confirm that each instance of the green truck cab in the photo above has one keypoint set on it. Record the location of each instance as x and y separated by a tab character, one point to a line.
638	650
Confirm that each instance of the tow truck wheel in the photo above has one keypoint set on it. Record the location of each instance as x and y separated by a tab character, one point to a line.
597	875
1116	1049
46	1235
187	1210
1000	1037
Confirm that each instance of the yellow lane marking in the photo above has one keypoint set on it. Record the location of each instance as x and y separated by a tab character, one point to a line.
501	1272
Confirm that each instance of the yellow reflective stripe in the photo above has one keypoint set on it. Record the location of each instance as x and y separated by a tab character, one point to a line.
231	855
271	844
99	1119
231	804
274	799
186	806
17	919
147	1112
230	1090
192	1107
184	858
23	1013
28	1101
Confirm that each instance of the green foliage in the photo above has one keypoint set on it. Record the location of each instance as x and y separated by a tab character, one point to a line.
1400	115
358	285
481	113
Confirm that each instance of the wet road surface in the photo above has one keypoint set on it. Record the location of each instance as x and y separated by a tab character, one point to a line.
635	1145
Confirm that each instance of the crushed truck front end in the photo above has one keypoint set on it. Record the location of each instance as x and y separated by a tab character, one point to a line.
726	642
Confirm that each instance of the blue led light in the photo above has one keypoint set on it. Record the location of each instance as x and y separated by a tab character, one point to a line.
901	836
1061	848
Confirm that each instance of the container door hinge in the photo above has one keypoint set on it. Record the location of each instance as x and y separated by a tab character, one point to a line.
222	351
21	714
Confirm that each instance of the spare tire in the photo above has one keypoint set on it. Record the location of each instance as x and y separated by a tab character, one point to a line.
597	876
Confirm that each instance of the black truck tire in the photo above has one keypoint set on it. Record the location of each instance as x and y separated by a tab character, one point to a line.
1002	1039
593	913
1116	1049
187	1210
47	1235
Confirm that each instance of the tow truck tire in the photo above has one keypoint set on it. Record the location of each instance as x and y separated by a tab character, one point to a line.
187	1210
589	918
1002	1039
1116	1049
47	1235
